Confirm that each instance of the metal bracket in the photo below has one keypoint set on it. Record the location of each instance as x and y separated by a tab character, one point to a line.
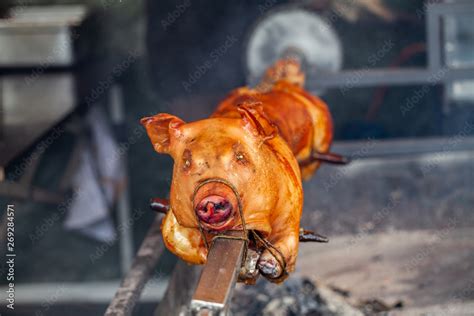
219	276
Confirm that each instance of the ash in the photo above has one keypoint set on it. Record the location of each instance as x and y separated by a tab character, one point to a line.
296	296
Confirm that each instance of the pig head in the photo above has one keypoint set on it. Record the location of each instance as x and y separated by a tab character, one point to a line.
225	168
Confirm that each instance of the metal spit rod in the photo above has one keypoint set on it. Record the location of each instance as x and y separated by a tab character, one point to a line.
218	278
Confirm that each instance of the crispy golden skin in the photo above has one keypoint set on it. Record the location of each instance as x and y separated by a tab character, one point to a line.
303	120
254	140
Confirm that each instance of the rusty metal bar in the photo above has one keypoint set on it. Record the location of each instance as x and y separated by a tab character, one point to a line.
132	286
218	277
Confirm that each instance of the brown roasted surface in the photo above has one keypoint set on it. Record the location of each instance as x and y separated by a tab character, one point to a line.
240	169
303	120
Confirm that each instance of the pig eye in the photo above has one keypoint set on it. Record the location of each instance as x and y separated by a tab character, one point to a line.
239	154
187	159
240	157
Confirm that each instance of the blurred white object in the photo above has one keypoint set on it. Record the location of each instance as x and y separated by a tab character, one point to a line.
89	212
282	29
459	52
107	153
96	182
39	35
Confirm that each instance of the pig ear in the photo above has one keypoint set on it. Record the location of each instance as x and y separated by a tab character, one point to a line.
255	120
161	128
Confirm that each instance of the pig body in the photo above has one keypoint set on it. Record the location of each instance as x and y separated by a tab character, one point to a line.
247	159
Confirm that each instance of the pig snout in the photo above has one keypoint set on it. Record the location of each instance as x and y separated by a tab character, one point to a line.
215	205
214	209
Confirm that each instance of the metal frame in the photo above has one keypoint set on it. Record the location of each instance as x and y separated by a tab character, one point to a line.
403	147
381	77
123	206
23	189
97	291
431	74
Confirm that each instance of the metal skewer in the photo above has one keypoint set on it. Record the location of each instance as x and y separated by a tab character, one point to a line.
218	278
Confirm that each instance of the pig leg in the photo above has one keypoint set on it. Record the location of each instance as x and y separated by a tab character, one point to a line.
186	243
275	262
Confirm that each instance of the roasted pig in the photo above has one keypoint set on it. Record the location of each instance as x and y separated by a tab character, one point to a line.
241	169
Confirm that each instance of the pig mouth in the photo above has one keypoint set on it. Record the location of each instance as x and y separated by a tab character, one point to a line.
215	203
214	210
